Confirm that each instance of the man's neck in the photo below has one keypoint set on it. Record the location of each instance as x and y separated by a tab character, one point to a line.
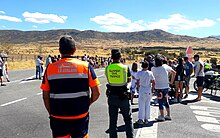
115	61
66	55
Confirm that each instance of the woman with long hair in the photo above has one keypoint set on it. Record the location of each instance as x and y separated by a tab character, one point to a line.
179	79
134	70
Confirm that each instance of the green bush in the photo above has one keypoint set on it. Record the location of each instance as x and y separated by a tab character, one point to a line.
214	60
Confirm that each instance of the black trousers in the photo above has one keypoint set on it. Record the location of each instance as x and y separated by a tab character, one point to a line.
77	128
115	103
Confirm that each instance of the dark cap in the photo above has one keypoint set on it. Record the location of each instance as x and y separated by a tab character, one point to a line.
116	53
66	44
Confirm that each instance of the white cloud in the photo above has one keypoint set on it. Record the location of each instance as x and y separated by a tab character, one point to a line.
34	26
218	19
117	23
110	19
10	18
4	27
178	22
2	12
43	18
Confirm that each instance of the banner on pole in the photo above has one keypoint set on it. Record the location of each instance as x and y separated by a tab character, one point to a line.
189	53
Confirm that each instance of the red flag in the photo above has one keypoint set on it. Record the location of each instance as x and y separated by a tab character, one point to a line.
189	53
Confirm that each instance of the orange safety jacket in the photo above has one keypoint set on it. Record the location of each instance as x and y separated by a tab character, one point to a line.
68	81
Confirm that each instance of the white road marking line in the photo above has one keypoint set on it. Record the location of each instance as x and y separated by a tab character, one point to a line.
98	69
13	102
149	132
29	79
211	127
207	113
22	82
194	107
40	93
209	101
100	76
101	70
13	81
207	119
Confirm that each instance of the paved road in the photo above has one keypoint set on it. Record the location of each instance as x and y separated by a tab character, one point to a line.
22	113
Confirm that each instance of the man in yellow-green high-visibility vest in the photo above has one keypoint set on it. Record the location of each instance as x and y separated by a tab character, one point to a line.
118	75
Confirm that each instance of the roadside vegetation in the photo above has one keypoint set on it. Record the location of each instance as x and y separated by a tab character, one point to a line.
22	56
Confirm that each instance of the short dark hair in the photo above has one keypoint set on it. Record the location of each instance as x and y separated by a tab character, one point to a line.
67	45
164	61
158	61
145	64
196	56
180	60
186	58
134	67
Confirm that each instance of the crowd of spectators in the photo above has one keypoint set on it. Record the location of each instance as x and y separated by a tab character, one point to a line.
159	76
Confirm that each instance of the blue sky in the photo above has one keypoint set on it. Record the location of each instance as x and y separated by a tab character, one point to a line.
199	18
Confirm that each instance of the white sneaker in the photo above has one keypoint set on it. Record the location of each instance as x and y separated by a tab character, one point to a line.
160	118
139	122
167	117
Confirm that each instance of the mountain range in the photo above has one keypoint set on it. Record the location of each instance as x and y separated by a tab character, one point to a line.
18	37
215	36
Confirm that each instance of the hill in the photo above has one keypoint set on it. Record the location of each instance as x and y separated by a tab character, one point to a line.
215	36
17	37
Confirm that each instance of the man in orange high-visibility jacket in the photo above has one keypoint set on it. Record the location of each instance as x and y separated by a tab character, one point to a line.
66	92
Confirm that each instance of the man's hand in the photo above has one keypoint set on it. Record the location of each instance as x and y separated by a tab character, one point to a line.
95	94
46	98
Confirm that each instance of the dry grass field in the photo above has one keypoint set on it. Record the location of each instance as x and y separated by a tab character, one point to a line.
22	56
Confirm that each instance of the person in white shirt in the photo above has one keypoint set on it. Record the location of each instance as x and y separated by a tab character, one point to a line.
5	69
133	89
39	70
199	74
161	88
48	60
171	75
144	80
1	72
169	69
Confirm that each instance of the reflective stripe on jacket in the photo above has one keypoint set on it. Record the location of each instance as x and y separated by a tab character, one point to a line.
68	81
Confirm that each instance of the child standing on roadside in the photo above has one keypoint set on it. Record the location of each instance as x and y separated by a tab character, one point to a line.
144	80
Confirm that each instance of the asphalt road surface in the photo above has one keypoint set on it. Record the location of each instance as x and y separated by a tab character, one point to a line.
22	113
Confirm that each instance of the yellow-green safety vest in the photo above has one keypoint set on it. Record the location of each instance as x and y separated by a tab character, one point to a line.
207	66
116	74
